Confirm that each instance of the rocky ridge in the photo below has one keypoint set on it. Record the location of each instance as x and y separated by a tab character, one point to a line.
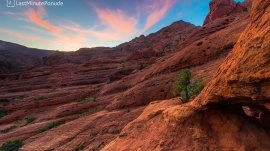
95	93
223	8
17	58
231	113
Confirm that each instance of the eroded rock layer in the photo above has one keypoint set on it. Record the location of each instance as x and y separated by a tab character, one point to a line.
92	94
231	113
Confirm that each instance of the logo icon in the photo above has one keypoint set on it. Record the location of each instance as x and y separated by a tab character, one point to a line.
10	3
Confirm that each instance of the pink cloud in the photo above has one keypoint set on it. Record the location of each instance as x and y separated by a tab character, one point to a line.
17	16
159	9
19	34
117	20
67	35
35	16
121	22
102	35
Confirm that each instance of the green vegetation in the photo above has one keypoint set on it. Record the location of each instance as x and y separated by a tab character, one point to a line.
3	112
21	97
79	147
25	121
99	85
121	61
30	120
91	111
142	66
84	100
186	87
6	130
4	101
11	145
50	126
84	114
93	98
40	98
87	99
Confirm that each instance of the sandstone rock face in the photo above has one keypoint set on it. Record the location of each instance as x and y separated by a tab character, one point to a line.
215	129
77	89
244	76
204	50
96	92
222	8
231	113
219	8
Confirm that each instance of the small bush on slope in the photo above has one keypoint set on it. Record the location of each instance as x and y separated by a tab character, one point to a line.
4	102
185	87
11	145
30	120
50	126
3	112
6	130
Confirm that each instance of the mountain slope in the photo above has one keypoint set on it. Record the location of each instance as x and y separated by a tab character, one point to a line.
232	112
15	58
140	48
94	93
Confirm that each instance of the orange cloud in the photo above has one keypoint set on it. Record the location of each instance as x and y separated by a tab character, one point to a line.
35	16
117	20
120	22
159	10
67	35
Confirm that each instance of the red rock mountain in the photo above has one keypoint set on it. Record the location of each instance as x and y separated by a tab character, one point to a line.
232	113
141	48
222	8
16	58
98	98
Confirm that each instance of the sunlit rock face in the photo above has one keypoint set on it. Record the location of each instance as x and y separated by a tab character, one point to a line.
231	113
223	8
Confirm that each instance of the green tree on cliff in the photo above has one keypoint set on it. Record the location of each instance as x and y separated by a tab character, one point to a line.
185	86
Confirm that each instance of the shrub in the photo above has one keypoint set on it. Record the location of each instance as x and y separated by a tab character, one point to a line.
195	88
40	98
50	126
84	100
79	147
4	102
30	120
6	130
142	66
181	85
11	145
87	99
91	111
3	112
122	61
21	96
94	98
186	87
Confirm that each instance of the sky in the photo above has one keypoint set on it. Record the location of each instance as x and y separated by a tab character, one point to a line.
73	24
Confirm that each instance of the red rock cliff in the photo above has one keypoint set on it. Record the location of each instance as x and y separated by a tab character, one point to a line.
222	8
232	112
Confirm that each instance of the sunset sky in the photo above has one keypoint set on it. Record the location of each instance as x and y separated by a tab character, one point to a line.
91	23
